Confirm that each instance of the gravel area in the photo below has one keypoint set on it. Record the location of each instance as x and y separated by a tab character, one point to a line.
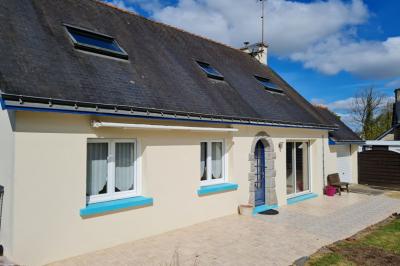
299	230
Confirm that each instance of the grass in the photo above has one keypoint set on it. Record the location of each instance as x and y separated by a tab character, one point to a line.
387	238
328	260
376	245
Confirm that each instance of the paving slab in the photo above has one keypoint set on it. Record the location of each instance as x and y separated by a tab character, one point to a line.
298	230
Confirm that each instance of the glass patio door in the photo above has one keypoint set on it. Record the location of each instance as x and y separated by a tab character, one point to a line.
297	168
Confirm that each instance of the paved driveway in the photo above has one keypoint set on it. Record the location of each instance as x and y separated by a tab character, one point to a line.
298	230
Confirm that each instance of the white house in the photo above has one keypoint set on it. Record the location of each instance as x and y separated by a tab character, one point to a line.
115	128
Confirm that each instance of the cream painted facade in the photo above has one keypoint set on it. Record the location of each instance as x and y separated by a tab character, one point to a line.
354	163
48	182
332	166
7	147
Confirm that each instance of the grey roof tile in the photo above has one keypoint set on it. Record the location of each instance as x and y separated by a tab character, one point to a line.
38	59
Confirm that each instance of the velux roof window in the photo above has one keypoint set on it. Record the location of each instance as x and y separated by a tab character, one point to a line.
268	84
95	42
210	71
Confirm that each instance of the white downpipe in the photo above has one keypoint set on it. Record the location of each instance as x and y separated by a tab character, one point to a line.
97	124
323	161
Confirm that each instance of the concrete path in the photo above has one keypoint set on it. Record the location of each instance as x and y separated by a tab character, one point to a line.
298	230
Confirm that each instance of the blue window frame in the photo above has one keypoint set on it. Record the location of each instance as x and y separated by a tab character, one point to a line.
268	84
210	71
95	42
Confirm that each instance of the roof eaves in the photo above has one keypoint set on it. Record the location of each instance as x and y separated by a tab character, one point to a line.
20	102
350	142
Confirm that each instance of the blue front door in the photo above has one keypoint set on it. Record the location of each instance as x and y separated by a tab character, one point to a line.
260	168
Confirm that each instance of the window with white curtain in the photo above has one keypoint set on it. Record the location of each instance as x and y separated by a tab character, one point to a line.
111	169
212	154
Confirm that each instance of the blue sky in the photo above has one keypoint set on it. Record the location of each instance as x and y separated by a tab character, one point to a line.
327	50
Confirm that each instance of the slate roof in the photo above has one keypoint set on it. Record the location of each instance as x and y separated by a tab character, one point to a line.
40	67
343	133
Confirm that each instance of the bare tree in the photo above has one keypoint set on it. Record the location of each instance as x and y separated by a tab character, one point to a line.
365	107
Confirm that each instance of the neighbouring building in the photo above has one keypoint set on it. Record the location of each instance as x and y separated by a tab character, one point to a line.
392	134
343	147
390	139
114	128
379	159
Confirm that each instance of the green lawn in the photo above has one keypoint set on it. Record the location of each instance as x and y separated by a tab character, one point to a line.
329	259
378	245
387	237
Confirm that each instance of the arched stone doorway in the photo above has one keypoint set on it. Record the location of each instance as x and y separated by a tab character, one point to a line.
262	155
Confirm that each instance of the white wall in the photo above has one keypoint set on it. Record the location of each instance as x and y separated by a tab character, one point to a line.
331	157
332	161
354	163
50	180
6	174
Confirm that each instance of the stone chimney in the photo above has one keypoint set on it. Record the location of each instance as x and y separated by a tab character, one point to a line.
396	114
257	50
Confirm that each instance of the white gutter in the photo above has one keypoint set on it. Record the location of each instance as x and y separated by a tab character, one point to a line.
97	124
382	143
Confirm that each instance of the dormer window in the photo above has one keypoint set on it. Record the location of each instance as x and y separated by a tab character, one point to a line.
268	84
95	42
210	71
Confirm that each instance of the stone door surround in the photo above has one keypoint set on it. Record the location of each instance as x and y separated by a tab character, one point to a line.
270	155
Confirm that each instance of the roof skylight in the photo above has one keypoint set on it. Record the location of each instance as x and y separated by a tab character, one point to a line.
268	84
95	42
210	71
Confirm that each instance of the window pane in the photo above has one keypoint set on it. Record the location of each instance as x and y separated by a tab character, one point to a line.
96	169
269	85
289	169
94	40
124	166
210	71
203	161
216	157
302	179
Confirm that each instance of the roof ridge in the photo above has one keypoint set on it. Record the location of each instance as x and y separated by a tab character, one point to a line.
164	24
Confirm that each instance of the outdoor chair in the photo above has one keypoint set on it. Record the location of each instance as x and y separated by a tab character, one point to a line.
334	181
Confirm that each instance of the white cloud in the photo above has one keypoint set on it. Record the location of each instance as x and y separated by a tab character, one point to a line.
197	18
343	105
322	35
349	121
290	26
343	109
120	4
364	58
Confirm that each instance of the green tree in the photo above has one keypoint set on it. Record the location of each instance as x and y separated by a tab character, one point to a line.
372	113
384	119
